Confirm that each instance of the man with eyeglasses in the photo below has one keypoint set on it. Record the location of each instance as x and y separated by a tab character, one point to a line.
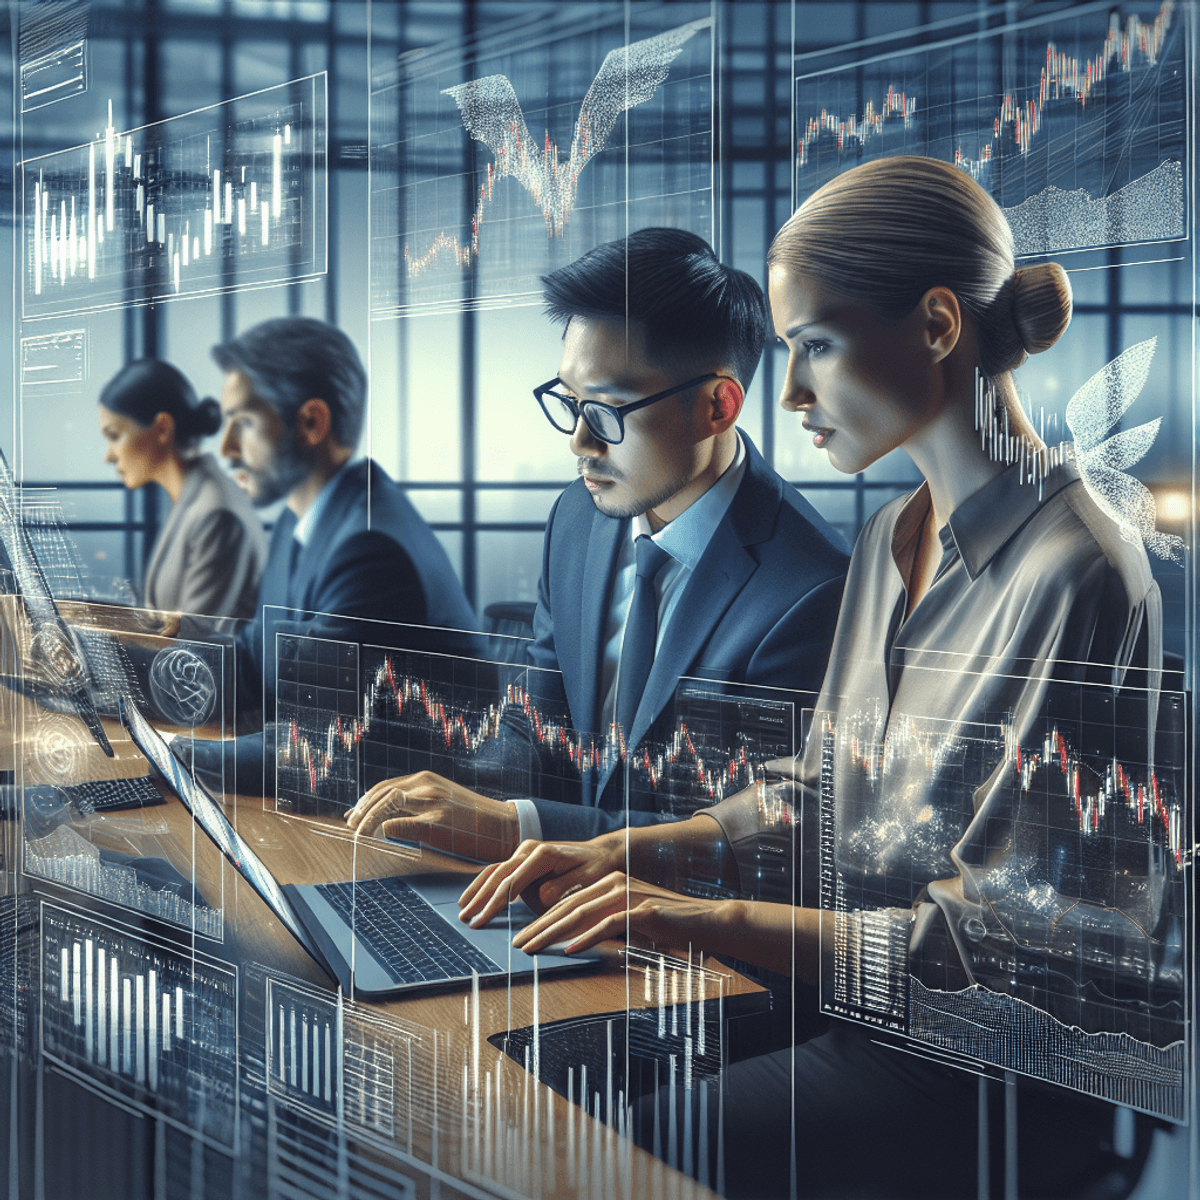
678	552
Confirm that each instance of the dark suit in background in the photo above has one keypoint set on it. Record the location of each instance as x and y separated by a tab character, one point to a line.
370	555
759	608
370	560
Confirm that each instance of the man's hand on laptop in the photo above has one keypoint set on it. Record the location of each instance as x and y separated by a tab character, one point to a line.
433	810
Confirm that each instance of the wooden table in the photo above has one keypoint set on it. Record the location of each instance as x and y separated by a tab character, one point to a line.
465	1116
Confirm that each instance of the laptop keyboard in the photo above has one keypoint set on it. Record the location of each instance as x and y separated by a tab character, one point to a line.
404	932
110	795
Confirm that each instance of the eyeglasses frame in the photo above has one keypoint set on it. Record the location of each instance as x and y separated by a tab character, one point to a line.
580	407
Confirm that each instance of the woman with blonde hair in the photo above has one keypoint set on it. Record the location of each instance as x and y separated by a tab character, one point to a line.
969	606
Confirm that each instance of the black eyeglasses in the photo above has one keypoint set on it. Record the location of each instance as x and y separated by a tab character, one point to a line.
606	421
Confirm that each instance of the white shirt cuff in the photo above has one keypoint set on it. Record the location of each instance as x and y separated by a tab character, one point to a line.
530	824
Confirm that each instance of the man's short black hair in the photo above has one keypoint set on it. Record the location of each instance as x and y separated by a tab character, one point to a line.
692	309
289	360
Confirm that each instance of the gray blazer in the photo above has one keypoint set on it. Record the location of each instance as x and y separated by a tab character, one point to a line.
211	552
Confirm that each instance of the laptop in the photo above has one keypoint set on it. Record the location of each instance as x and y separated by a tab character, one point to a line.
63	657
376	937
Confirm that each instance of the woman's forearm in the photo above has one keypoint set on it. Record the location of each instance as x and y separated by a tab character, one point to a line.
779	937
673	853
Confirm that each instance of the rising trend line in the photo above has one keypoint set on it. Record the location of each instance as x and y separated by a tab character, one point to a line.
1062	75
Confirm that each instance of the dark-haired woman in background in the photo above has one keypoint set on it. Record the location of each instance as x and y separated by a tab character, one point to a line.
211	551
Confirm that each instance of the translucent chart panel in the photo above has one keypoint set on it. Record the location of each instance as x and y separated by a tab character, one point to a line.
54	76
497	160
53	361
332	1061
317	1060
718	741
356	703
1012	890
1076	123
141	1021
727	749
672	1036
52	53
93	825
90	814
227	197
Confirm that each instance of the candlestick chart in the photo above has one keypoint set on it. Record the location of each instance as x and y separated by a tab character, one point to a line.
1075	124
1054	857
214	200
349	716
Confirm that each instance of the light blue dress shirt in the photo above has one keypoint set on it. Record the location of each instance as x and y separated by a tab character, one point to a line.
307	523
685	539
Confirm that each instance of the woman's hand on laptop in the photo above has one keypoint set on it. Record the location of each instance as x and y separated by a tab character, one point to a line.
541	874
617	906
437	812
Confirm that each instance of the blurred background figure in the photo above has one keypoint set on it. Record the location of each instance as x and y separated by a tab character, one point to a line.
210	553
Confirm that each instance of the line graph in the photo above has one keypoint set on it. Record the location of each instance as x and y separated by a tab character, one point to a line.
1075	124
491	114
518	157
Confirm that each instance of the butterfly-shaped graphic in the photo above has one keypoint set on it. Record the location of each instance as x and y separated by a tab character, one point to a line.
491	114
1094	409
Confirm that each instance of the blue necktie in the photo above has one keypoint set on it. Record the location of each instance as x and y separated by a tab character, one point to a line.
293	558
641	626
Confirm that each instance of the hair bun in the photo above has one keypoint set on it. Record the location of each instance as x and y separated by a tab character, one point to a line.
207	419
1041	305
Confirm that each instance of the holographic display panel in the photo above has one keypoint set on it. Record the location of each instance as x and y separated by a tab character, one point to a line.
351	714
54	359
721	740
156	1027
223	198
86	803
1016	897
1076	123
52	51
497	160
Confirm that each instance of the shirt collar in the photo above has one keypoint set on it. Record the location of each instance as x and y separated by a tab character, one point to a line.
983	523
686	538
307	523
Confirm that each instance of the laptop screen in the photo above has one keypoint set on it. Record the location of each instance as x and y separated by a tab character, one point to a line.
213	821
62	655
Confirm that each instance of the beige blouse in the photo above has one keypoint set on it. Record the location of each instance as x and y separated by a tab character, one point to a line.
211	551
982	804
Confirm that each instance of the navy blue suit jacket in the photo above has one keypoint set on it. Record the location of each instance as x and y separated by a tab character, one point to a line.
759	608
376	569
380	563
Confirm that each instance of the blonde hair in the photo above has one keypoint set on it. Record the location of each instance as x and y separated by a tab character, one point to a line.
885	232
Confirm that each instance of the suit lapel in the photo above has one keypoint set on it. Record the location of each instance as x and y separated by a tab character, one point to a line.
604	540
719	575
350	487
